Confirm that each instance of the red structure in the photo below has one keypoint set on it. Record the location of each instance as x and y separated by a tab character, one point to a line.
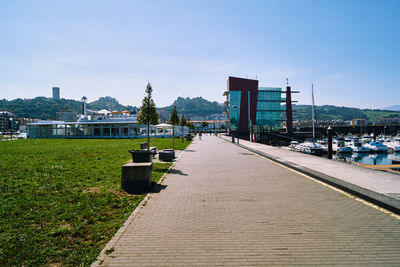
245	86
289	116
249	94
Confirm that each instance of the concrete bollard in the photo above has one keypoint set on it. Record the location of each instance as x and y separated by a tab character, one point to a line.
136	177
330	133
166	155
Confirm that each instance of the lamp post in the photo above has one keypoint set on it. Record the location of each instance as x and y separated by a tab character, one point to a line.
237	122
84	100
329	132
230	125
11	120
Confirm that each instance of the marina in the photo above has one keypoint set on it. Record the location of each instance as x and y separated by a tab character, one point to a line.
379	161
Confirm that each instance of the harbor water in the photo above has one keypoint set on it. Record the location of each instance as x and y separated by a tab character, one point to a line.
373	159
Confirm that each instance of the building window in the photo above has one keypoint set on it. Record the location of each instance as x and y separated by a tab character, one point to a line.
269	108
234	109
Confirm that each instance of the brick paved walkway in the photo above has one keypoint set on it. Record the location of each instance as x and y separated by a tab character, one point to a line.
226	206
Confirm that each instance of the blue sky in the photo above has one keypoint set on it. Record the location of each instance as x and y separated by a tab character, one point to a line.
350	50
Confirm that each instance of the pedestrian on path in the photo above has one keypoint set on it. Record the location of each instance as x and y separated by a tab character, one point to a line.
199	135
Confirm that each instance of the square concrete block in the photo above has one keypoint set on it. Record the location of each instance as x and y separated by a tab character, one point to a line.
136	177
166	155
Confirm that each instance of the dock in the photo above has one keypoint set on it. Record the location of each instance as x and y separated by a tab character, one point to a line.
394	168
381	187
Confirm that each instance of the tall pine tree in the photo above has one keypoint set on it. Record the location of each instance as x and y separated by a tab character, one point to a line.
174	120
182	123
148	114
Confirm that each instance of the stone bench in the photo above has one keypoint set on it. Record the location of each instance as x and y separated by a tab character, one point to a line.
136	177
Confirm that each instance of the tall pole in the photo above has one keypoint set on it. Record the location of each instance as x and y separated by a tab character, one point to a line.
230	124
329	142
148	124
289	113
313	122
11	119
237	119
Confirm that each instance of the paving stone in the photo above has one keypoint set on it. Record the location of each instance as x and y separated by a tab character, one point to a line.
226	206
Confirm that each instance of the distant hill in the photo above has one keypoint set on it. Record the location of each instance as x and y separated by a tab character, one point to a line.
45	108
394	108
197	106
328	112
108	103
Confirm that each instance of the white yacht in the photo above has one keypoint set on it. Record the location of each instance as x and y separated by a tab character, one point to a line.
366	139
293	144
397	140
339	146
392	146
357	147
323	144
377	146
309	148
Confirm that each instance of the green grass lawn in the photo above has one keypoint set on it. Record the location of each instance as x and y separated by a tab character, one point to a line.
60	200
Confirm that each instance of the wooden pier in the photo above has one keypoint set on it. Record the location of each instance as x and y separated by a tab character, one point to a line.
394	168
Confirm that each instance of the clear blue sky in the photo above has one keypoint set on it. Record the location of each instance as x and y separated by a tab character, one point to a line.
350	50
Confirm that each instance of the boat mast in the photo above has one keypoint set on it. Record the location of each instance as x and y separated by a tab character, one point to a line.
313	112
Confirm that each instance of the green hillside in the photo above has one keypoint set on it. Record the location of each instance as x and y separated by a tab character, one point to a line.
45	108
197	106
328	112
108	103
374	115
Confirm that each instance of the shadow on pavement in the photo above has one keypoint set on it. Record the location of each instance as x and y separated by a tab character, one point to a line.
156	188
179	172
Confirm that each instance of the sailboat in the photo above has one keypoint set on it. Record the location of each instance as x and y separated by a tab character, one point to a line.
312	147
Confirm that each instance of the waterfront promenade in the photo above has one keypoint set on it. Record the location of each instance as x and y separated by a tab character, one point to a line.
379	186
223	205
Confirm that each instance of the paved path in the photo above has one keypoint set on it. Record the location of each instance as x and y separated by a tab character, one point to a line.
381	186
226	206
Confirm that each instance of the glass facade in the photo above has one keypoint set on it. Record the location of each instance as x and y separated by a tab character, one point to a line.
98	130
269	108
234	109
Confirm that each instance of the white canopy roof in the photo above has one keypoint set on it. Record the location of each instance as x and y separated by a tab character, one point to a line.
104	111
162	125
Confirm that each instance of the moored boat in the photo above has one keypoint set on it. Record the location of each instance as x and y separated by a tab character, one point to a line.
339	146
377	147
309	148
358	147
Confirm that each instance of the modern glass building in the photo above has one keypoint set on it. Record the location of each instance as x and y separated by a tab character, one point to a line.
252	107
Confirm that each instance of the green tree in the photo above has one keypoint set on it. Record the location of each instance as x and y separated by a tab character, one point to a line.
174	120
148	114
190	125
182	123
